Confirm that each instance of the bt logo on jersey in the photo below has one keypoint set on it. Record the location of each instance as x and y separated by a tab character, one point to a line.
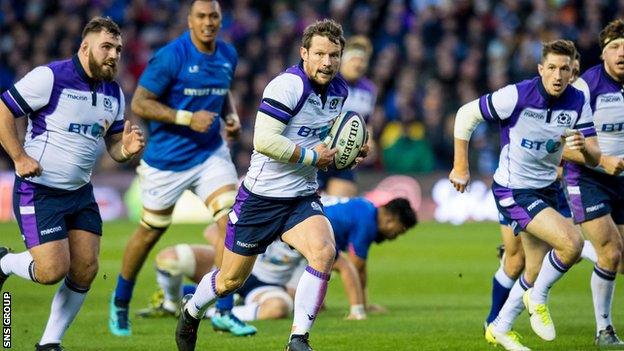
551	146
95	130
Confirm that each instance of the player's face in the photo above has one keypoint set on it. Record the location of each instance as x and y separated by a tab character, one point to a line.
104	54
322	60
613	56
354	68
556	71
391	227
204	21
576	70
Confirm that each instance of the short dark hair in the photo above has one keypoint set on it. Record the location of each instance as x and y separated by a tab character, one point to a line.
401	208
613	30
98	24
326	28
559	47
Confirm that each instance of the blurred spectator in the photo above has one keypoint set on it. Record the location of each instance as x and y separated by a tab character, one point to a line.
430	56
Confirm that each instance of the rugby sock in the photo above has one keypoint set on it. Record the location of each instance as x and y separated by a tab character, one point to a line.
20	264
65	306
551	271
123	292
589	253
309	297
205	294
188	289
171	285
602	286
225	304
501	286
512	307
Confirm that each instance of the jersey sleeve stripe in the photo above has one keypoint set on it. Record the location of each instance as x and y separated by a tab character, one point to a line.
584	125
275	113
278	105
116	127
12	105
483	107
20	100
491	107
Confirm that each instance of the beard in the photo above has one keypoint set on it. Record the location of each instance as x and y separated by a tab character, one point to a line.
101	71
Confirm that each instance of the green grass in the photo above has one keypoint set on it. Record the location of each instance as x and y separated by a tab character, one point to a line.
435	281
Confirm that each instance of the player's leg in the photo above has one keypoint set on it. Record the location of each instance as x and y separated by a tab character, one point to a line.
217	185
159	192
172	265
566	242
235	269
84	248
604	235
313	238
512	264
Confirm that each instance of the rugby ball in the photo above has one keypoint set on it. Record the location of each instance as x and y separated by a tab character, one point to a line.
348	134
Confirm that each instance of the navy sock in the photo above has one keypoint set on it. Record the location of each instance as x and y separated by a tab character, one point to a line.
188	289
225	304
123	292
499	296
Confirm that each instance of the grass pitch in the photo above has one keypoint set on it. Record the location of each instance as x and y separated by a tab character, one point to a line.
435	281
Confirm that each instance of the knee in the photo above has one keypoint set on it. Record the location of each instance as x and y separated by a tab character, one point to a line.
49	274
323	256
274	308
178	260
612	255
514	264
570	250
84	273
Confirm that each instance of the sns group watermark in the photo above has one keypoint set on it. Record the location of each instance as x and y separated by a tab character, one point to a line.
6	320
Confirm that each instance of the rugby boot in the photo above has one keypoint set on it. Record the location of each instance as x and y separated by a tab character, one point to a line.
49	347
509	341
118	321
608	338
156	307
541	323
186	331
299	343
228	322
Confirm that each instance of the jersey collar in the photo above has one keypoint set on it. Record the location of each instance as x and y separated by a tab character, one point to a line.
81	71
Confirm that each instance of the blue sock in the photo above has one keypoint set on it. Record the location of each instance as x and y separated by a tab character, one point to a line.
188	289
499	296
225	303
123	291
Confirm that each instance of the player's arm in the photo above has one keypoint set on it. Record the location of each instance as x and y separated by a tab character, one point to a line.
125	145
581	143
467	119
269	141
25	166
230	117
353	287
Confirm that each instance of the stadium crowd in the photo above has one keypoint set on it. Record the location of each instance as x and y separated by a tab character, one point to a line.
430	56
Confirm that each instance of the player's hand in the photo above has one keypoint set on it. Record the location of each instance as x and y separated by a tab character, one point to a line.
364	150
132	139
232	127
460	179
325	156
574	139
612	164
26	167
202	120
376	309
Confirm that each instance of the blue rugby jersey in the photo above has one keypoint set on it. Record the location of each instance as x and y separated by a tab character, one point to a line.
532	124
68	115
354	222
184	78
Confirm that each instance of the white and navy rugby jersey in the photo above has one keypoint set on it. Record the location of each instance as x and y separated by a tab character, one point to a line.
362	96
532	124
307	111
606	98
69	113
277	264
